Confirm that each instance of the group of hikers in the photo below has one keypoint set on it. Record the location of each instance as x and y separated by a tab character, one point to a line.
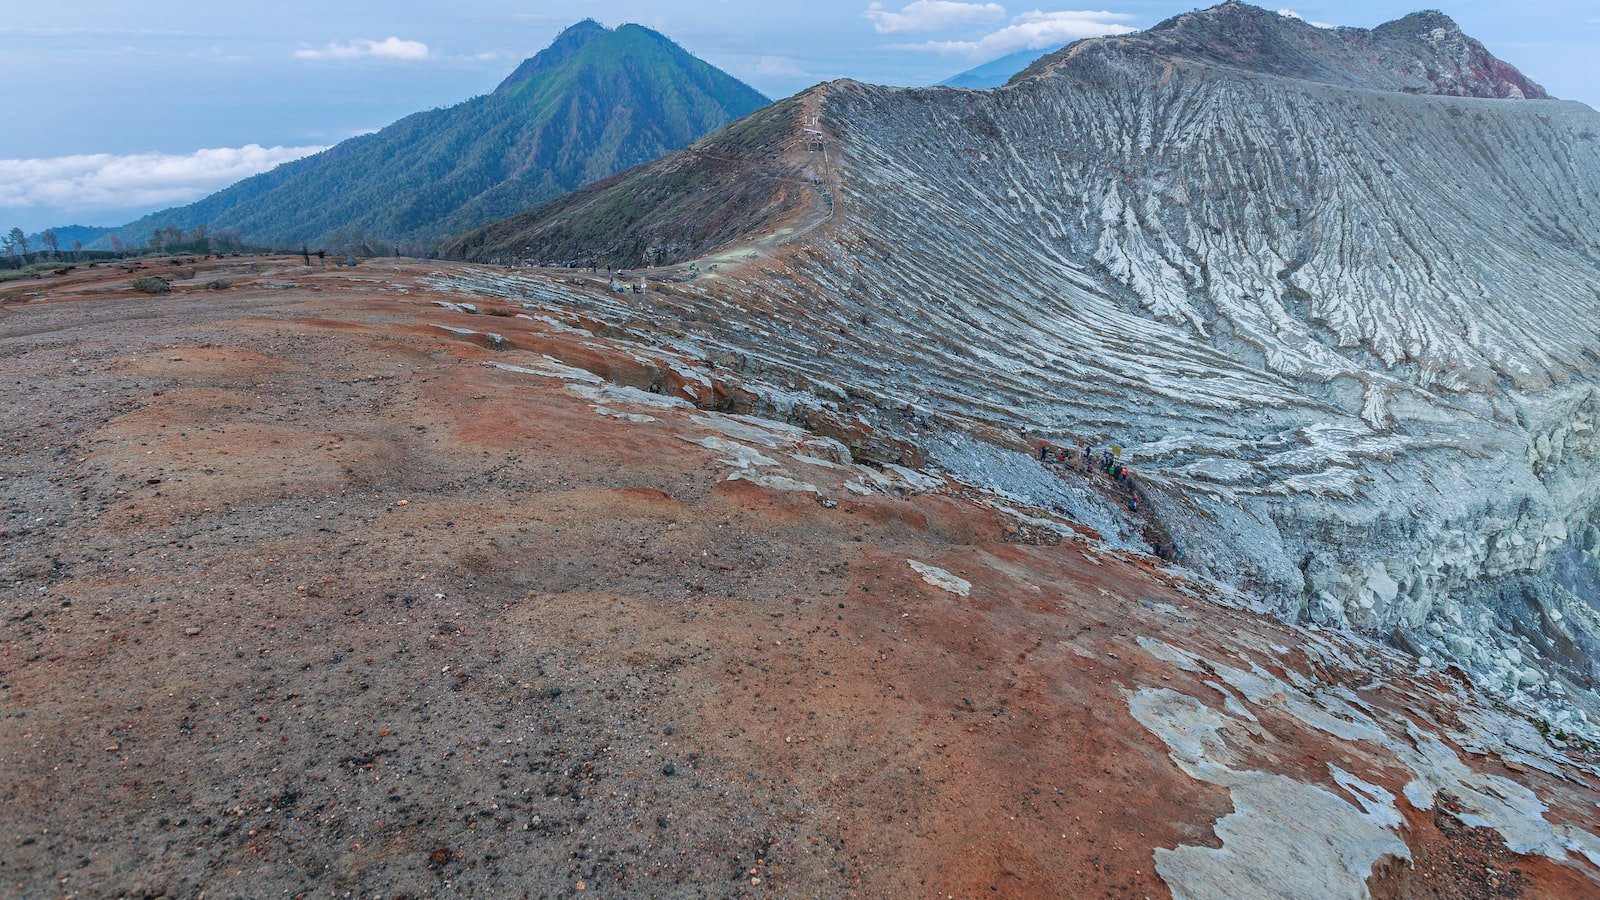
1082	458
620	285
322	257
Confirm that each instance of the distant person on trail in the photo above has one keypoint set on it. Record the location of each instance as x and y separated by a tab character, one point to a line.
1044	451
1133	503
305	254
322	258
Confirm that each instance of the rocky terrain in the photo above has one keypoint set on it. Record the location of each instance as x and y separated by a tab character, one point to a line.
343	581
1332	291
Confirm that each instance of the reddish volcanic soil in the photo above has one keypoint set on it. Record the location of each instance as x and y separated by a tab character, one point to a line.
299	594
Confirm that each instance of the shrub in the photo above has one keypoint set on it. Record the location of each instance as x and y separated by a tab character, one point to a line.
220	284
150	284
32	271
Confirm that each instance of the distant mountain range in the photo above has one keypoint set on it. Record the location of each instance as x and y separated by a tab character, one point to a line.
66	235
996	72
593	103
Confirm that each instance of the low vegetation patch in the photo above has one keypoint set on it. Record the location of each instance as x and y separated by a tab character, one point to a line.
32	271
151	284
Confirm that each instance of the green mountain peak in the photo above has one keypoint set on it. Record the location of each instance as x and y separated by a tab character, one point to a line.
595	102
567	45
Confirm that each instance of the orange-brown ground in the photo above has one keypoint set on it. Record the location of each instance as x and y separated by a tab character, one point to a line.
302	595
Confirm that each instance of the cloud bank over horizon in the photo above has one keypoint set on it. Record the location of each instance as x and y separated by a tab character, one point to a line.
388	48
108	182
1032	30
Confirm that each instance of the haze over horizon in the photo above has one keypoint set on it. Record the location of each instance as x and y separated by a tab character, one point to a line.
153	107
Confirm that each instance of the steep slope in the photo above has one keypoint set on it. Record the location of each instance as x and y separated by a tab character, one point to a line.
995	72
719	190
1343	330
595	102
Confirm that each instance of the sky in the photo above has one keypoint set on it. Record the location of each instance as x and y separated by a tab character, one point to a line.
113	109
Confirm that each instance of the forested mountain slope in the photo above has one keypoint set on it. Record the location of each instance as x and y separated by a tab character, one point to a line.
595	102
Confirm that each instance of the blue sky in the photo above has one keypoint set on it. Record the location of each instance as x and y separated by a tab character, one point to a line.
115	108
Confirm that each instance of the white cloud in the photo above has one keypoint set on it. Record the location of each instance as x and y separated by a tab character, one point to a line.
104	180
931	15
779	67
1291	14
1036	30
388	48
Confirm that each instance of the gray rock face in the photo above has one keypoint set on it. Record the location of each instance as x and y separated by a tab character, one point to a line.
1423	53
1347	334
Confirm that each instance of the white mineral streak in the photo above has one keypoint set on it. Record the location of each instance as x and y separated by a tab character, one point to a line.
775	482
941	579
493	338
1284	833
606	392
635	418
552	368
740	456
1327	846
